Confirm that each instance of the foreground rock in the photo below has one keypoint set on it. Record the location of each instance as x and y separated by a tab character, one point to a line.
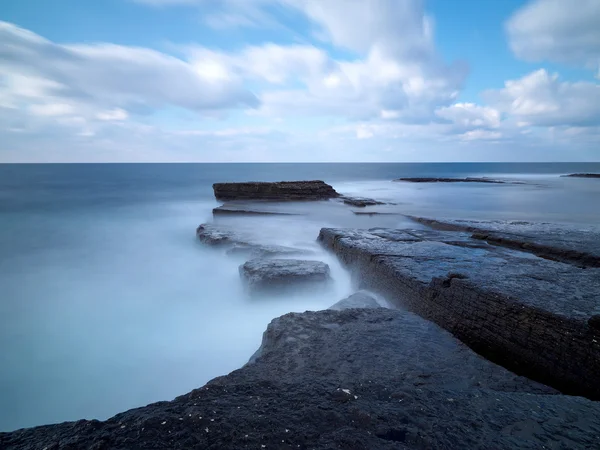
526	313
573	246
281	191
266	275
450	180
583	175
357	379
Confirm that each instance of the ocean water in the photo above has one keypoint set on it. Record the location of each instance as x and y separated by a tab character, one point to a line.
108	302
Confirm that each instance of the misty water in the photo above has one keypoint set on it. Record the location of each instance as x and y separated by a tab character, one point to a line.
109	302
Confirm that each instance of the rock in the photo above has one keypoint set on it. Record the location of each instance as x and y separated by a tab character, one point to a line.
594	321
360	202
266	251
281	191
521	311
450	180
354	379
375	213
360	299
583	175
551	241
263	275
215	235
249	209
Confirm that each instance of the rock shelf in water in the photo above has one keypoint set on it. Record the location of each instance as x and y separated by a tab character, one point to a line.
280	191
526	313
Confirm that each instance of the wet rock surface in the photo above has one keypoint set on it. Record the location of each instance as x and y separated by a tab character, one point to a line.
354	379
526	313
580	247
280	191
582	175
264	275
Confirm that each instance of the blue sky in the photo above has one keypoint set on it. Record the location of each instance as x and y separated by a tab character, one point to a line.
299	80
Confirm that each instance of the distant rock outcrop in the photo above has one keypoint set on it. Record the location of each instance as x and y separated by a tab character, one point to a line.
280	191
450	180
582	175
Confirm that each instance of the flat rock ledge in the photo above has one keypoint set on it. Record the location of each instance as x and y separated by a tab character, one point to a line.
550	241
280	191
360	379
266	275
529	314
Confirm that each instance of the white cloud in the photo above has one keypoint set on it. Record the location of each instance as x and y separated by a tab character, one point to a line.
52	109
557	30
112	114
469	115
541	99
110	75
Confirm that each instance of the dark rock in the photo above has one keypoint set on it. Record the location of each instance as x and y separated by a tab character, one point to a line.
550	241
281	191
450	180
526	313
360	299
583	175
263	275
360	202
354	379
594	321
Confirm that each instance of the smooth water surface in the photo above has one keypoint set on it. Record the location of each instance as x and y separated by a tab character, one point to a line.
108	302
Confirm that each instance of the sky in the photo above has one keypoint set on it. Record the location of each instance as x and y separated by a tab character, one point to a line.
299	80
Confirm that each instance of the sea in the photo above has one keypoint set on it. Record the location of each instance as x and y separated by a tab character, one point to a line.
109	302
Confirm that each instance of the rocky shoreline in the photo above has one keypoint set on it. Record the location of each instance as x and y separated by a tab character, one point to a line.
464	335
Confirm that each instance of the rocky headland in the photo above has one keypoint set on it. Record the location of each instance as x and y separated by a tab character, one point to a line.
461	335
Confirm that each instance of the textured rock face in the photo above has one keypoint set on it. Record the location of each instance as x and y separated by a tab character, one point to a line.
355	379
264	275
281	191
526	313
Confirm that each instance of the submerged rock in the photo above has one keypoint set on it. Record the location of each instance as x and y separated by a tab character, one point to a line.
360	299
360	202
280	190
254	251
262	275
249	209
519	310
359	379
